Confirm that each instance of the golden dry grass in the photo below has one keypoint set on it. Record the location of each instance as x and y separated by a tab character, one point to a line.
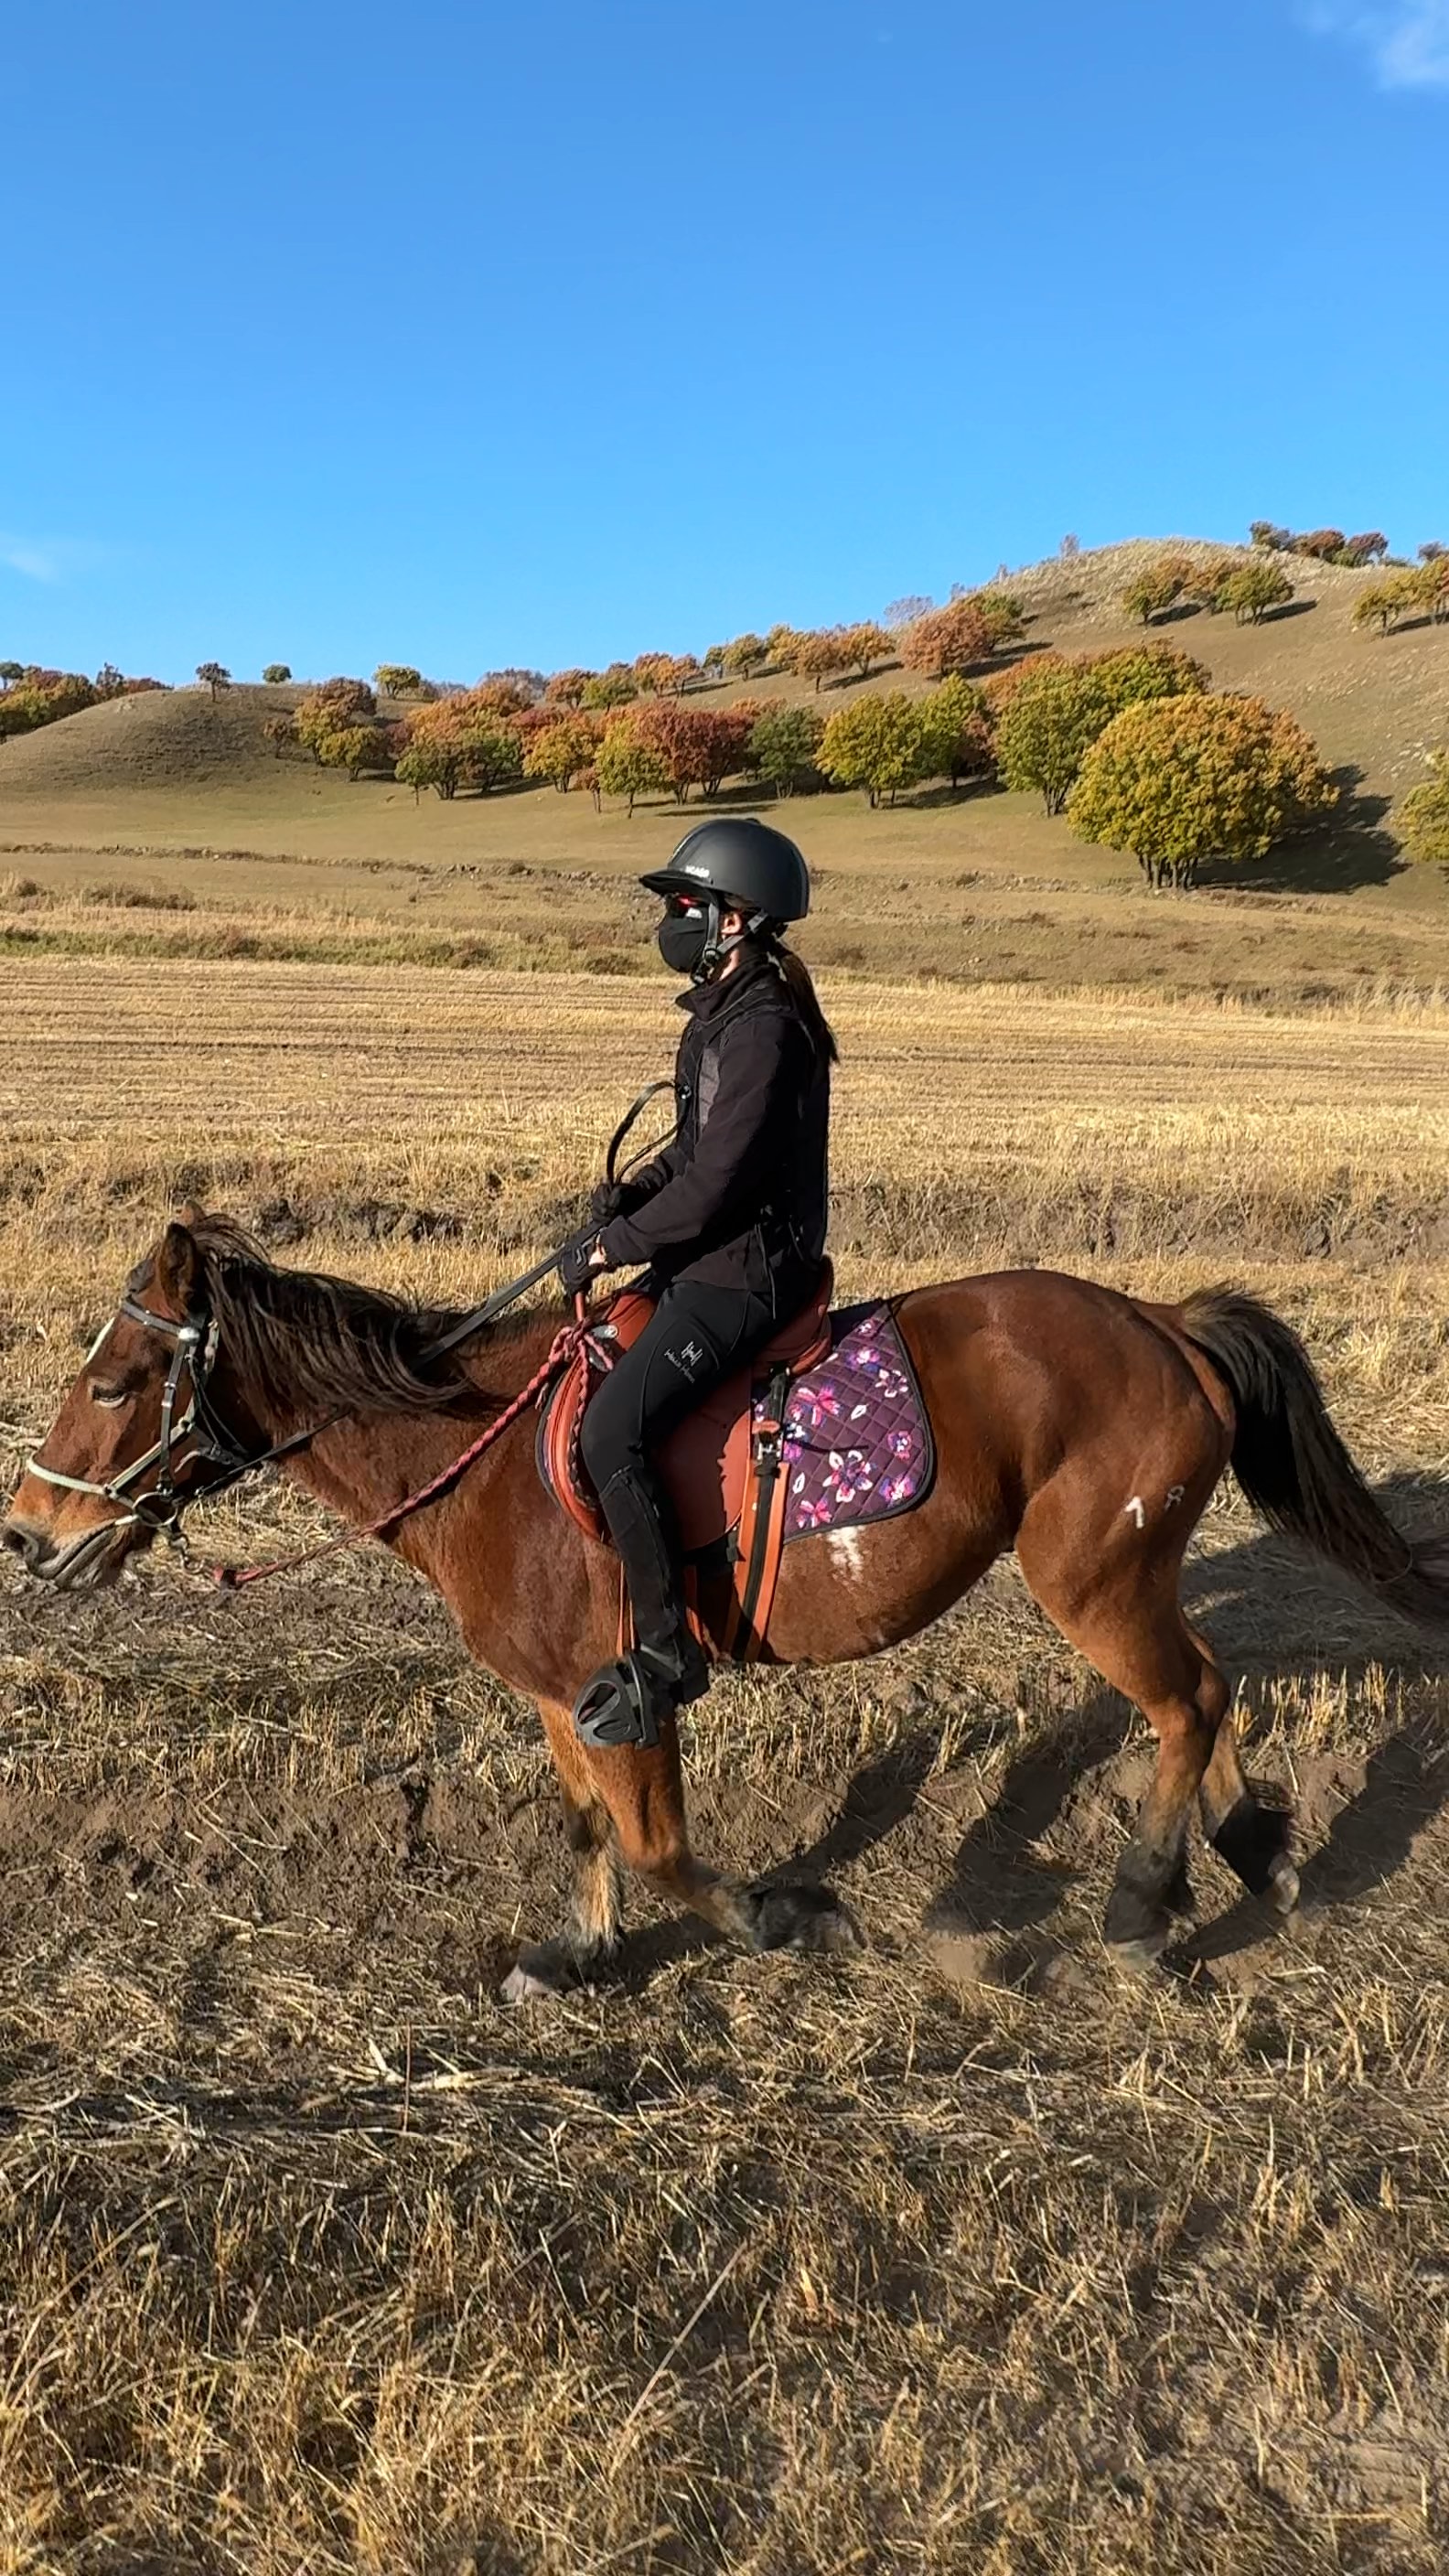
957	2258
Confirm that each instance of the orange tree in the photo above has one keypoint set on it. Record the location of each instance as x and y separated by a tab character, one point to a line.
566	688
865	645
819	654
1180	780
948	639
41	697
743	656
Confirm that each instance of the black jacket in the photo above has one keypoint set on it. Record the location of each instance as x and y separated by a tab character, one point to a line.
739	1198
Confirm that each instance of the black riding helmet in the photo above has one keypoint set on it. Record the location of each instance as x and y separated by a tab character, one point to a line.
744	864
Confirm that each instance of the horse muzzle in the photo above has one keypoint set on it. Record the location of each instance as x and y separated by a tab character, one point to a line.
84	1563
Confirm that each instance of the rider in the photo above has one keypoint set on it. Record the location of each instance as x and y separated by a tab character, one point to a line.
730	1219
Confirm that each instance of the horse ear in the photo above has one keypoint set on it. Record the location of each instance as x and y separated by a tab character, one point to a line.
193	1213
178	1269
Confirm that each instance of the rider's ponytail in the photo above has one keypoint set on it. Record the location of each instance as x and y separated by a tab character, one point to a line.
807	1001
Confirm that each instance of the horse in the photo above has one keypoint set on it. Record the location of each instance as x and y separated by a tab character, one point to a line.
1081	1427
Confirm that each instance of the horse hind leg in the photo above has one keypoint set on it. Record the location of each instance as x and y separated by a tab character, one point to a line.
1130	1626
1254	1840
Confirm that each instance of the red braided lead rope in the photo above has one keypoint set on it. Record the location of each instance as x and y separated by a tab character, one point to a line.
234	1578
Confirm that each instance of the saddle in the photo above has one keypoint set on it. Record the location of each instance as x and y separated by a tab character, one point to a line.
721	1467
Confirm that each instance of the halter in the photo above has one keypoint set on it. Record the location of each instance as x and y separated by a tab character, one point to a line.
160	1508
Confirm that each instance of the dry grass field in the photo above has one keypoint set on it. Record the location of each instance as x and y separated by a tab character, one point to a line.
962	2256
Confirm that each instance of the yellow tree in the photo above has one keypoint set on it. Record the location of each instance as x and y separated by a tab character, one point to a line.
1180	780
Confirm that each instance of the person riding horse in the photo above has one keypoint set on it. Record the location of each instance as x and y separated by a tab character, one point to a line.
730	1219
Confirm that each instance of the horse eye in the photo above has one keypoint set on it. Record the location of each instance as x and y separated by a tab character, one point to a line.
108	1395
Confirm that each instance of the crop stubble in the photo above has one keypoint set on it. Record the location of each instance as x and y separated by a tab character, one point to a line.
314	2257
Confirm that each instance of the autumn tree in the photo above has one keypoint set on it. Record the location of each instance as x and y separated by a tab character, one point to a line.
465	743
559	751
281	733
1250	589
1180	780
1160	583
1432	552
819	655
275	673
338	705
358	747
744	656
782	746
1424	814
953	638
1370	547
1266	533
213	676
957	730
712	661
1321	543
10	672
397	679
697	746
566	688
616	687
866	644
779	644
627	764
1403	594
1052	718
878	743
41	696
651	670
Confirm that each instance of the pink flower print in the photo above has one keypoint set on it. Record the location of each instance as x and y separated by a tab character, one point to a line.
813	1515
902	1444
897	1489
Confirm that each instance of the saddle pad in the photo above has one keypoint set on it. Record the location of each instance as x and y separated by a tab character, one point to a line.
857	1437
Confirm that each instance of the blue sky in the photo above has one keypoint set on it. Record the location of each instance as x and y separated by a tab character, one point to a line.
476	335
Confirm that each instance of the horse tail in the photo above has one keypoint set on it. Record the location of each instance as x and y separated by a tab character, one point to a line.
1293	1466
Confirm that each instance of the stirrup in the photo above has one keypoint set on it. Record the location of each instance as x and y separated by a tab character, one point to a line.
625	1702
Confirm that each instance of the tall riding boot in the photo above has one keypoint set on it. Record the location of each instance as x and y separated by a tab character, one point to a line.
627	1701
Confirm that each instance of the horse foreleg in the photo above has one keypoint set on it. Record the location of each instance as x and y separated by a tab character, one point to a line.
591	1931
644	1794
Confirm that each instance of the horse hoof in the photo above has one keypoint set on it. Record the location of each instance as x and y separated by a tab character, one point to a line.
803	1919
536	1972
1283	1887
1138	1958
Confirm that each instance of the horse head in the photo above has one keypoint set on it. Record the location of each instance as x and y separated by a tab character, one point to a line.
123	1453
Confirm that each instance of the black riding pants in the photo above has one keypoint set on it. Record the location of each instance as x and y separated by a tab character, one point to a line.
698	1337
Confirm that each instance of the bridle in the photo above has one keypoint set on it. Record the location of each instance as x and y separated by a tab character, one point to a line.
159	1509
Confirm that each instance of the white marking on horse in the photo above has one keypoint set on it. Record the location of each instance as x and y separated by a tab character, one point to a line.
845	1546
1135	1507
1174	1496
99	1344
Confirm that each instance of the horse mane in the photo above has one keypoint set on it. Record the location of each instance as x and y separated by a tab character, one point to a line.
307	1341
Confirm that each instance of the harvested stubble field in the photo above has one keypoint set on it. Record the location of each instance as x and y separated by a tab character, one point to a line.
957	2257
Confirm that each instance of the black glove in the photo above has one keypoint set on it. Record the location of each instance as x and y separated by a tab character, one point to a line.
577	1266
614	1198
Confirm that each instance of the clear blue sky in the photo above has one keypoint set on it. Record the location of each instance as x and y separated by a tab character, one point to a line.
471	335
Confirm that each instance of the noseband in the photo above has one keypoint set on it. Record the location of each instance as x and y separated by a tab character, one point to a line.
160	1508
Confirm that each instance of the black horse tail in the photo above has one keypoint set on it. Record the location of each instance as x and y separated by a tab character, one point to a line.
1292	1465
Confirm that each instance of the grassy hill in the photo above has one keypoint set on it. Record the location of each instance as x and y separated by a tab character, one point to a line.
981	886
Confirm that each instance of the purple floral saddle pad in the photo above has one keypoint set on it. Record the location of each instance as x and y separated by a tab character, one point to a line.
857	1444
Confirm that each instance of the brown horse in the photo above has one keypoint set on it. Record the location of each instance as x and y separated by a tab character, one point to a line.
1084	1429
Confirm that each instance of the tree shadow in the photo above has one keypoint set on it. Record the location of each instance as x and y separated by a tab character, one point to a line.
1348	851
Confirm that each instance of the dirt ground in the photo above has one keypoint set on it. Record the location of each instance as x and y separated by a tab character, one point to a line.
963	2255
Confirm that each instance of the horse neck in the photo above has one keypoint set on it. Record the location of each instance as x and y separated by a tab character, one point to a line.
363	1464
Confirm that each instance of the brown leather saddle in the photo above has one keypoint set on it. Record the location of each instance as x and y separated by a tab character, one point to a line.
721	1466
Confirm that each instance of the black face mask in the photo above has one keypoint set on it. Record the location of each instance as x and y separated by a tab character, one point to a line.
683	938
